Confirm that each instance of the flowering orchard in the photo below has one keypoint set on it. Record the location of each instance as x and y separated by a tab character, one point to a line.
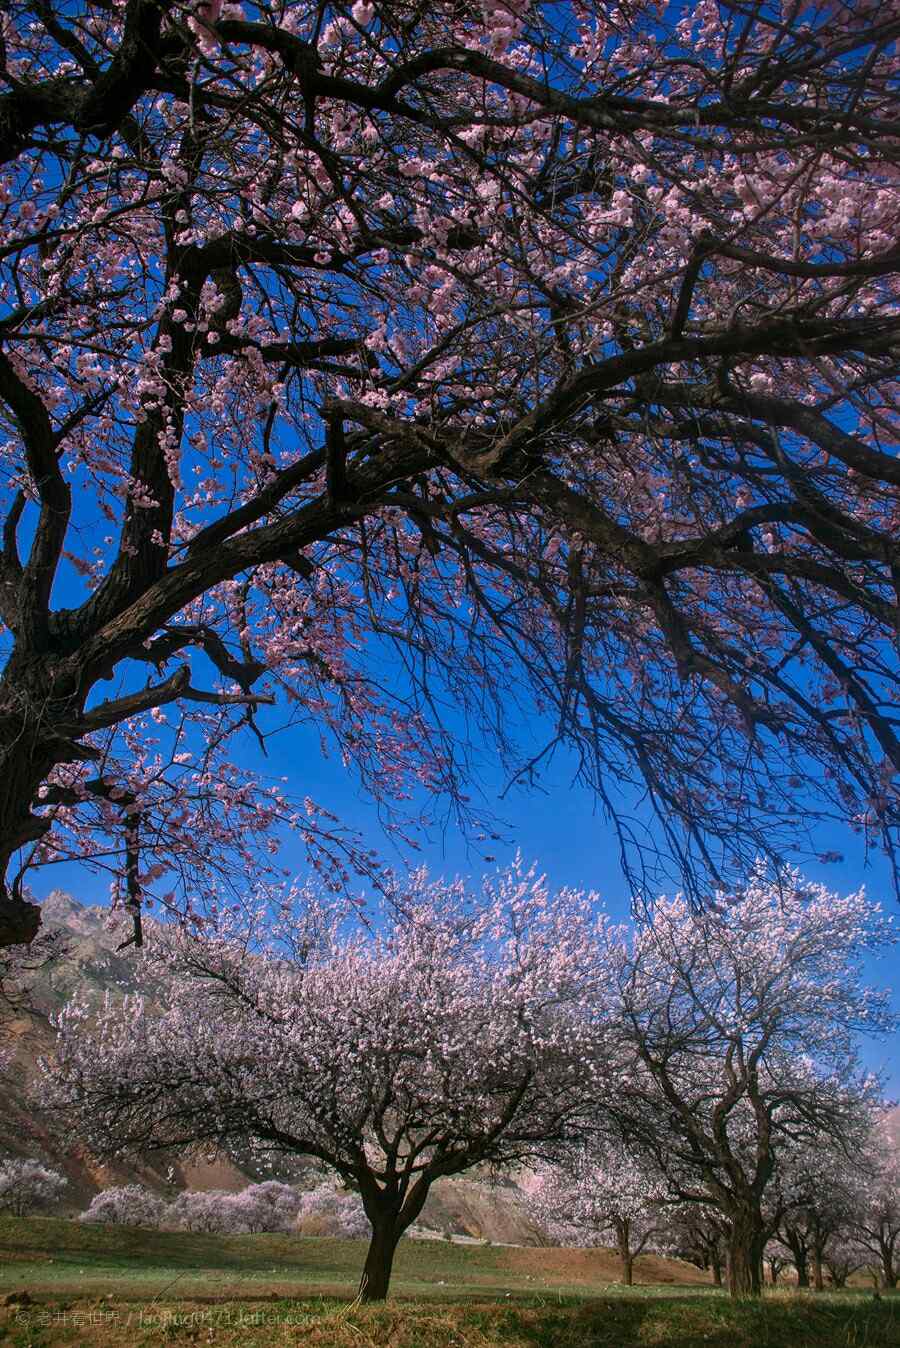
686	1066
545	352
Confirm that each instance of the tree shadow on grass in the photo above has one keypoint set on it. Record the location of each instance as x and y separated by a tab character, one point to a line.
704	1322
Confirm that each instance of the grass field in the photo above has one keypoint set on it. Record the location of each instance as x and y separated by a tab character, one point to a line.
51	1255
111	1288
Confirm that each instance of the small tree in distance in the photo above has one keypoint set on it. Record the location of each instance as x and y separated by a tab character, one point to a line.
27	1185
268	1206
604	1193
460	1033
209	1211
125	1205
328	1211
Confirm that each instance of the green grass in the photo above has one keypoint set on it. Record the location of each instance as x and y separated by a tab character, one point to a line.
111	1288
53	1255
660	1321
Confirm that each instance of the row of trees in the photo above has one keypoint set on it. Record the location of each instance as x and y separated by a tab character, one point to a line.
268	1206
517	1027
28	1186
831	1209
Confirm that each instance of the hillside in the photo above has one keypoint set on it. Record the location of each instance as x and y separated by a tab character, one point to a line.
90	963
47	1255
464	1207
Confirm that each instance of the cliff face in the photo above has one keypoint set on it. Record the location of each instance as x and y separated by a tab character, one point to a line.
90	963
494	1211
87	962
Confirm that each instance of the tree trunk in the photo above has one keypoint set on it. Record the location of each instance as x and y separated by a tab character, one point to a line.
36	704
19	921
623	1234
376	1277
773	1274
746	1243
799	1256
715	1261
818	1277
390	1210
888	1271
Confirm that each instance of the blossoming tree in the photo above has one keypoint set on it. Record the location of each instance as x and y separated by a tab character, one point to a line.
125	1205
738	1047
877	1224
270	1206
26	1185
460	1033
605	1192
329	1211
546	348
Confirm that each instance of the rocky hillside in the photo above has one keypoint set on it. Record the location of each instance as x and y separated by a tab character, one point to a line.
88	962
467	1207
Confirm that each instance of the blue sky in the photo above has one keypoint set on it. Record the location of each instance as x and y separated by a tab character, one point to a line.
559	826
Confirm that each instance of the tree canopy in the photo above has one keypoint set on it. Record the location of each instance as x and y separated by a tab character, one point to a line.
380	359
462	1034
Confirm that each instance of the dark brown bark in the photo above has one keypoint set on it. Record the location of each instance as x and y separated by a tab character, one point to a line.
623	1243
376	1277
19	921
390	1211
799	1249
31	710
746	1243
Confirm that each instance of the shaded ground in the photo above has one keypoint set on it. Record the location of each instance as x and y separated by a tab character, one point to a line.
630	1321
